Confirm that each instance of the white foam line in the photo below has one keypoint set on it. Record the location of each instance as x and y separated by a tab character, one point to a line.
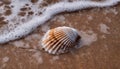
50	11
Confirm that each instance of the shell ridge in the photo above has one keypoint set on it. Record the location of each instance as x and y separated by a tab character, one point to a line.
59	44
62	44
57	41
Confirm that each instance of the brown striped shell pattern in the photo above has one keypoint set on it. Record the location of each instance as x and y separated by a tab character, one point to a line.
60	40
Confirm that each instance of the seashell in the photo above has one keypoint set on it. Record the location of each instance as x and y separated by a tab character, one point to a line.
60	40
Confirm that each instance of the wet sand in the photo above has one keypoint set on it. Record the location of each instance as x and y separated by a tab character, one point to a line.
103	53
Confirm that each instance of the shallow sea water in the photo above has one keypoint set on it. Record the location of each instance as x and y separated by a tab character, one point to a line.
99	28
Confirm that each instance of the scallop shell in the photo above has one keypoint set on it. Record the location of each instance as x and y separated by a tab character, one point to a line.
60	40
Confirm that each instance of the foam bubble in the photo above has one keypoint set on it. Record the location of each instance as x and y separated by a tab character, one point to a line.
38	57
5	59
104	28
88	38
45	28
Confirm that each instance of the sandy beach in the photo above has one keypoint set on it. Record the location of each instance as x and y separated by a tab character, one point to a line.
100	28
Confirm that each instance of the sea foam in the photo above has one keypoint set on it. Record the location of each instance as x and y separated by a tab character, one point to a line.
48	12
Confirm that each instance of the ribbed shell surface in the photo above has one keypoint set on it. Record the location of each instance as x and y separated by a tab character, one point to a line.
59	40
